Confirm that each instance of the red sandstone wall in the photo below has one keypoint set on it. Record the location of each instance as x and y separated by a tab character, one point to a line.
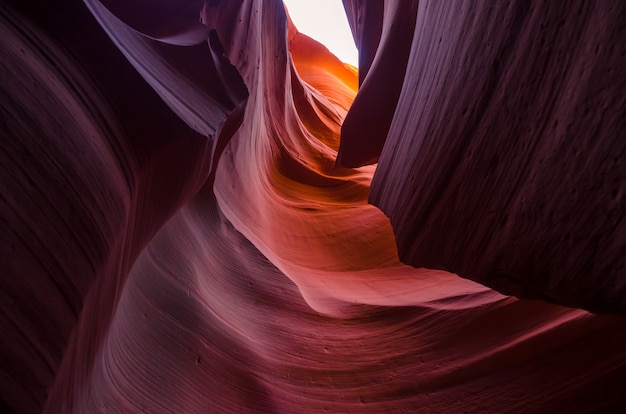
178	236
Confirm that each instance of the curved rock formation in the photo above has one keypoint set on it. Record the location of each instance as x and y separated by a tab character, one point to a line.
515	150
383	31
178	236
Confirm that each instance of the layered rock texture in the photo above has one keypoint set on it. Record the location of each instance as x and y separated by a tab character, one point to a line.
185	217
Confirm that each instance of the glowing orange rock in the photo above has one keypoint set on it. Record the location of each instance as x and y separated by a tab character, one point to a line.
183	240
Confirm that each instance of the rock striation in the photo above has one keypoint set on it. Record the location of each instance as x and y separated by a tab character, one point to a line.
185	223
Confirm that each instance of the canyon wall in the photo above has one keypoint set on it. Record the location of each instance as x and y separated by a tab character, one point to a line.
185	217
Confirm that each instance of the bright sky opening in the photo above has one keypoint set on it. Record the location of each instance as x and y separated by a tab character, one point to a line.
326	22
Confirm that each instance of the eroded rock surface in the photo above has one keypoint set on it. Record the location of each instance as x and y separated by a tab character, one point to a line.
178	236
504	162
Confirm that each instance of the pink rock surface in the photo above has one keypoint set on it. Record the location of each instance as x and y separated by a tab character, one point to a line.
178	236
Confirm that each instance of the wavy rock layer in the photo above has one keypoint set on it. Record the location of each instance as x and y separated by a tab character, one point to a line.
178	237
509	141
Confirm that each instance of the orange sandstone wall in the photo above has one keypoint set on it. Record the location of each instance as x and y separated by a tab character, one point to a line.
185	217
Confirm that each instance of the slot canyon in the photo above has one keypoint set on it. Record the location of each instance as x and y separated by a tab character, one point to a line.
203	210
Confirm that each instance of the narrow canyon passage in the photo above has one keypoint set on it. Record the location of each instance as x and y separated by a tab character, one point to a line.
187	223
